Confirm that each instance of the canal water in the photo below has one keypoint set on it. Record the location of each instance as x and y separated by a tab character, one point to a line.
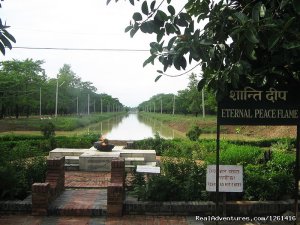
133	126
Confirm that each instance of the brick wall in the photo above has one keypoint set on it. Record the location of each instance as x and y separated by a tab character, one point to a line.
233	208
44	193
116	188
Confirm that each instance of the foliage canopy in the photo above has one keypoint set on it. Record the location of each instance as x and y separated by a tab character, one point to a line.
236	42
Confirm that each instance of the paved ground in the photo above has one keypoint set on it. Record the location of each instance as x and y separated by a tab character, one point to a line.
81	179
125	220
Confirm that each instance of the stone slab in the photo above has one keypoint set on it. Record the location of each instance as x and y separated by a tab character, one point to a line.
60	152
96	160
71	159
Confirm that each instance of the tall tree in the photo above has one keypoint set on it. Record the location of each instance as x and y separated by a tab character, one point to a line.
24	79
236	42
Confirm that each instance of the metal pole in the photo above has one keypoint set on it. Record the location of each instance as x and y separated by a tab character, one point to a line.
77	106
217	170
40	102
297	173
174	104
203	105
56	98
88	104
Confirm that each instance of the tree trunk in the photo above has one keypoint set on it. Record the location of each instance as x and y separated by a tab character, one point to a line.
17	111
27	111
2	111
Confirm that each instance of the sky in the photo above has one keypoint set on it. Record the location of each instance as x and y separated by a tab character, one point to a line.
89	24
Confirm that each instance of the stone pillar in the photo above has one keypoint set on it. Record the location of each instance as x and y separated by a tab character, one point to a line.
116	188
40	198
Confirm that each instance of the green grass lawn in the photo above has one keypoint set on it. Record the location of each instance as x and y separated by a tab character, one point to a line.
62	123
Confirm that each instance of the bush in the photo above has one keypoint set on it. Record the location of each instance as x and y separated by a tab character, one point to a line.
48	129
237	155
18	176
194	133
261	183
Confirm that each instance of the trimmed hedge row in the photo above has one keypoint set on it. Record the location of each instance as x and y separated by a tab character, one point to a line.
23	160
184	165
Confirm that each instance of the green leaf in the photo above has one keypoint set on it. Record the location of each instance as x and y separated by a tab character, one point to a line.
242	18
171	10
152	5
132	2
291	45
137	16
133	32
159	71
296	4
162	16
128	28
255	12
158	77
160	35
168	1
283	3
107	2
145	8
9	36
288	23
251	36
5	41
149	60
2	49
273	40
201	84
171	42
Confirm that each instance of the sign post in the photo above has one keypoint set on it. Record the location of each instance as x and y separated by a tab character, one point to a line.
260	106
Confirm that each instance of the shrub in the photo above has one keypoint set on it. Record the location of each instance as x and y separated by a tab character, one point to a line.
263	183
194	133
48	129
237	155
18	176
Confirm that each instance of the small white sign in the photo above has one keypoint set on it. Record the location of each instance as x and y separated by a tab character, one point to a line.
230	178
147	169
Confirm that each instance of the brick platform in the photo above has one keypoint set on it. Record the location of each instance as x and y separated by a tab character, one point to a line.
81	179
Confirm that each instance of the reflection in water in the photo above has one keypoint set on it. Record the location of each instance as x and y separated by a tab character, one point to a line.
132	127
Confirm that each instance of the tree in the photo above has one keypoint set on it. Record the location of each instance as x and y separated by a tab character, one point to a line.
236	42
195	97
5	37
19	84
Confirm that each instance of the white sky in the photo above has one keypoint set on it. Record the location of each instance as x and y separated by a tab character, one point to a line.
88	24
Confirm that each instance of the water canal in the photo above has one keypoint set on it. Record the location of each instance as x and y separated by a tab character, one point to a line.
132	126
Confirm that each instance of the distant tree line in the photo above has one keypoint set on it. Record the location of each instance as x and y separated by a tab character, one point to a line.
187	101
24	85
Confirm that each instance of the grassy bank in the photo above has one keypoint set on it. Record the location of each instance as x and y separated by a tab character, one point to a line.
208	126
61	123
183	123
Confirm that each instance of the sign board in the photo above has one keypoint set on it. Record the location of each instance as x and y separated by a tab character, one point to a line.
147	169
230	178
257	106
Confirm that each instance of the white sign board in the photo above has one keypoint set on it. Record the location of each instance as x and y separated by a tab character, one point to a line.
147	169
230	178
